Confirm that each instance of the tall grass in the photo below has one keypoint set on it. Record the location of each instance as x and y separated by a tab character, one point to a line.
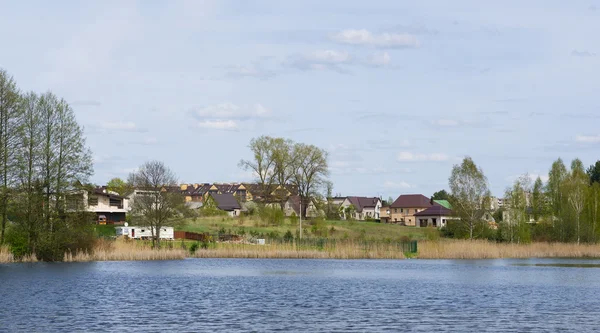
345	250
122	250
479	249
5	255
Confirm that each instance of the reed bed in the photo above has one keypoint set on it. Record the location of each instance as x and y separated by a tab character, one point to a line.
479	249
5	255
294	251
121	250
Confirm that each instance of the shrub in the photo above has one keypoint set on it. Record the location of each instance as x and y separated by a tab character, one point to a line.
288	237
194	248
272	216
294	219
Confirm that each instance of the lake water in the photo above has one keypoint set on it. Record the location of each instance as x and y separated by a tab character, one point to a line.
302	295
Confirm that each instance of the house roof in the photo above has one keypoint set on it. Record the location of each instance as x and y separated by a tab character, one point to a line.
444	203
361	203
412	201
226	201
435	211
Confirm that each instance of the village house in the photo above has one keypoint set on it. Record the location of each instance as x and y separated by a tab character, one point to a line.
434	216
225	202
292	207
402	210
109	207
365	208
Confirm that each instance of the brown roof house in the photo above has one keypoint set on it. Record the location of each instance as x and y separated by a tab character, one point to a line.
225	202
434	216
402	210
292	207
364	208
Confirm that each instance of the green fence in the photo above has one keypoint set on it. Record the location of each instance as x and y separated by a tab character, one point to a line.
409	246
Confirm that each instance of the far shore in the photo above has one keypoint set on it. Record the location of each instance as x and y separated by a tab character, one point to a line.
443	249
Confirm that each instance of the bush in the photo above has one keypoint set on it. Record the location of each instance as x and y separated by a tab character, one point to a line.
319	227
288	237
194	248
294	219
272	216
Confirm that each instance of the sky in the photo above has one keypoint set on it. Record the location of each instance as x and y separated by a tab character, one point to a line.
396	92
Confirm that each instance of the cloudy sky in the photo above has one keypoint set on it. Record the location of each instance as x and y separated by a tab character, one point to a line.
397	92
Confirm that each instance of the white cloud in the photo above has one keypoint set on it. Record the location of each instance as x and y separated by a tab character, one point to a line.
397	185
321	60
119	125
412	157
588	138
384	40
229	110
218	124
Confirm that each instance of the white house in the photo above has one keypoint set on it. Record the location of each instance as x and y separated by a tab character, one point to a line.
109	206
166	233
364	208
434	216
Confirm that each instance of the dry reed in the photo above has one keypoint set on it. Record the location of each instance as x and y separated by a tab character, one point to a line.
121	250
5	255
479	249
293	251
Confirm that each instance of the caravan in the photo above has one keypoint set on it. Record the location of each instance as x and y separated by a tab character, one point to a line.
166	233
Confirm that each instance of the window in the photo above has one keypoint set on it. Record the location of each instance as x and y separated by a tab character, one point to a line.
93	201
401	210
115	203
395	210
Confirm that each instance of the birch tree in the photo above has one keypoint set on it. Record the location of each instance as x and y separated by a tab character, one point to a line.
468	194
577	183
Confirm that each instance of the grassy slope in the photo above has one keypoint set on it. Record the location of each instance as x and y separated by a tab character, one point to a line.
353	229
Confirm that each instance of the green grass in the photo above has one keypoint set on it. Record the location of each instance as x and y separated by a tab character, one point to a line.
341	229
105	230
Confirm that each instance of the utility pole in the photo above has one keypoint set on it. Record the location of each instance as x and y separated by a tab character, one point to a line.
300	218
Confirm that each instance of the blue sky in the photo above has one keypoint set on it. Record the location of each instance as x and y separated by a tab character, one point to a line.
396	91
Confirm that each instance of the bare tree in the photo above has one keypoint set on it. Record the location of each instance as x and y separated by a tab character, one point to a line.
310	170
263	164
156	207
469	192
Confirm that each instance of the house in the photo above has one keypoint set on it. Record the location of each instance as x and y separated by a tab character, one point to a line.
292	207
166	233
403	209
225	202
384	214
434	216
444	203
364	208
109	207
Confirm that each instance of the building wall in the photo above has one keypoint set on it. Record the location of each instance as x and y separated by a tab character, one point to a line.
404	215
441	221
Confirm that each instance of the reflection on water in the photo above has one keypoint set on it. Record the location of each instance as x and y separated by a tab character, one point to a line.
235	295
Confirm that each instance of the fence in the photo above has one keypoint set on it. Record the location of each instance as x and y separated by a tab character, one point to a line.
192	236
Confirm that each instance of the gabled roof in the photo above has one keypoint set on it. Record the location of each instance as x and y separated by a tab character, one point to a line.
435	211
412	201
361	203
226	201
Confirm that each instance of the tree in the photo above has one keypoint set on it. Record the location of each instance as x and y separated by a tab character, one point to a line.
441	195
263	164
554	188
469	190
577	183
538	203
309	172
516	227
283	157
156	208
10	109
594	173
118	185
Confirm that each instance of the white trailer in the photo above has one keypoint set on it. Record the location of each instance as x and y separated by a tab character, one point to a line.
144	232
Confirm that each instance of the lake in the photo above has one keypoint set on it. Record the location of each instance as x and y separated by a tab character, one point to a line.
241	295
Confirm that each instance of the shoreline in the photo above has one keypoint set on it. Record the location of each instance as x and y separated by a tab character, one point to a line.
427	250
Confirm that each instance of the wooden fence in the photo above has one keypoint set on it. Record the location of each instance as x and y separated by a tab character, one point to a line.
204	237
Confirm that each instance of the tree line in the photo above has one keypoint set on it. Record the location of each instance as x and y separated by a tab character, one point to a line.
43	153
280	162
565	208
